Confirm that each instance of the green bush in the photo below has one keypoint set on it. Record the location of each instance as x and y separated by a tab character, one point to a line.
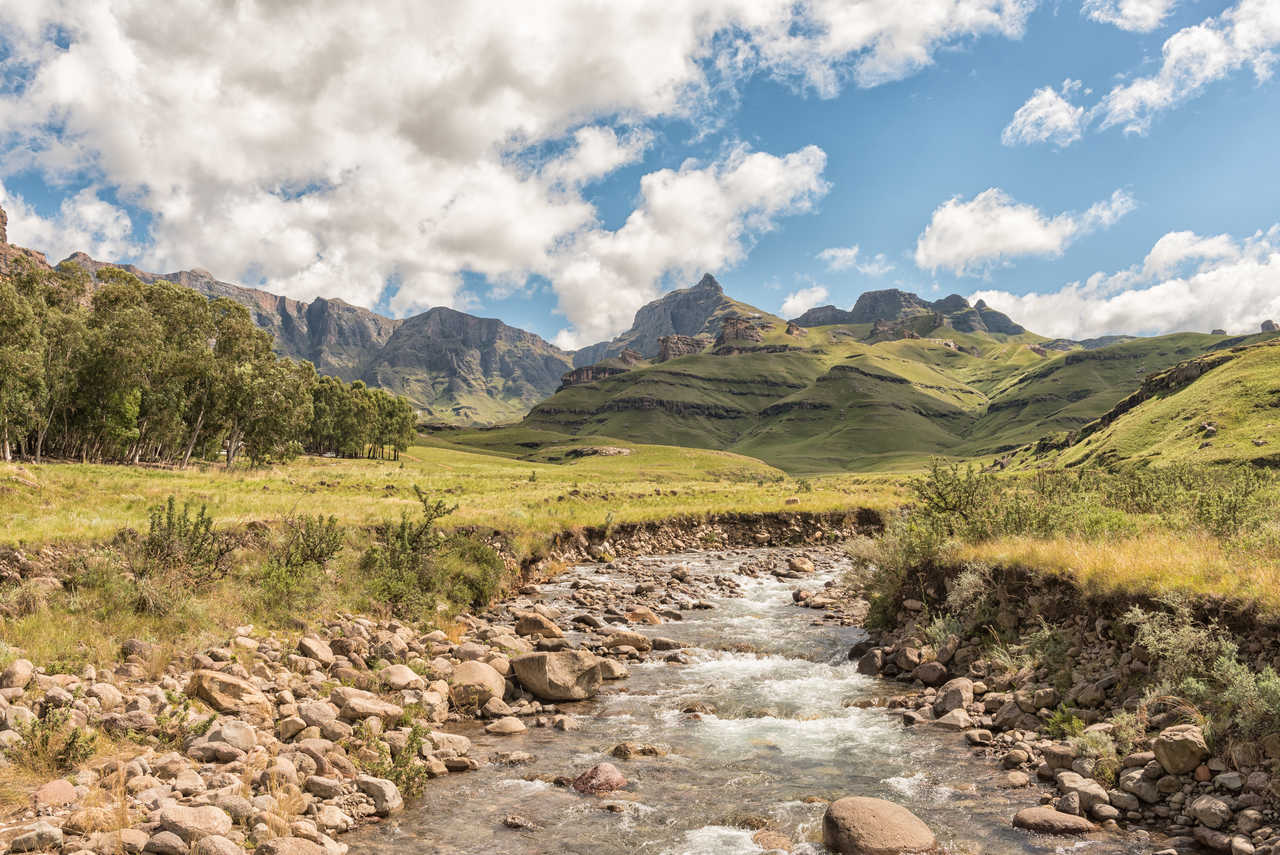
294	568
50	744
176	540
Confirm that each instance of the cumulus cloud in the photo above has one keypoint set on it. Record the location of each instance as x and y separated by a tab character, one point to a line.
1047	116
696	218
84	221
1138	16
799	302
970	238
1244	36
1194	57
844	257
336	148
1233	285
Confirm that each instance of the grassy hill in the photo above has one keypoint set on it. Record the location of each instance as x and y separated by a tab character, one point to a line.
1216	408
858	396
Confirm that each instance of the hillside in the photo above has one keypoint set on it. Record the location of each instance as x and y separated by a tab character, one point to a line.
910	380
1215	408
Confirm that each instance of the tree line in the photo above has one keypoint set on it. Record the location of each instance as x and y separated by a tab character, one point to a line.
121	370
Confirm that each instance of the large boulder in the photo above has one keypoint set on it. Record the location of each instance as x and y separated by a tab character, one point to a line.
567	675
863	826
194	823
1046	820
532	623
601	778
1180	749
231	695
474	683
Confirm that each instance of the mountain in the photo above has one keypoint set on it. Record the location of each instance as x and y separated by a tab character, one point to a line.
1216	408
455	367
892	306
467	369
335	336
893	381
687	312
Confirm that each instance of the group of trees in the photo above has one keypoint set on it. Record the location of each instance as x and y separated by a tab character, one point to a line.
123	370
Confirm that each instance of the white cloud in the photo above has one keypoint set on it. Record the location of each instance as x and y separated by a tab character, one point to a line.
969	238
331	149
1046	117
84	221
1194	57
1235	286
687	221
1138	16
799	302
845	257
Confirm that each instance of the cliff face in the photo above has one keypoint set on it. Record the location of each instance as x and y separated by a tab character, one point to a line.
894	306
687	312
454	366
463	368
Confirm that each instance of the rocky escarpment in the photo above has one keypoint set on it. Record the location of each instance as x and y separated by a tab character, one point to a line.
675	346
689	312
1066	707
901	307
15	258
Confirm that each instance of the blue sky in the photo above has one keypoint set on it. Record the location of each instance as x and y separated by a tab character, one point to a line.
563	177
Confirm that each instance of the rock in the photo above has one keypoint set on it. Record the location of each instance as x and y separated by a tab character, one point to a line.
612	669
864	826
362	705
956	720
931	673
217	845
38	837
57	793
313	648
1180	748
516	821
601	778
17	675
627	750
109	697
1090	791
235	733
386	798
627	638
194	823
532	623
398	678
506	726
289	846
232	695
770	840
953	695
568	675
166	843
474	683
800	564
1046	820
1210	811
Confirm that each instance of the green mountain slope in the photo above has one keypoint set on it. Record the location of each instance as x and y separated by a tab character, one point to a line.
913	382
1220	407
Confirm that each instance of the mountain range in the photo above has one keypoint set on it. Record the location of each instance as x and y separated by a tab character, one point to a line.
886	383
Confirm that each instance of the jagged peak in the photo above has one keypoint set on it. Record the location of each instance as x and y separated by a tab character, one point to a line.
708	283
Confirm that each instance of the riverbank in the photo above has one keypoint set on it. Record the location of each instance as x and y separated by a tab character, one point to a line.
1133	711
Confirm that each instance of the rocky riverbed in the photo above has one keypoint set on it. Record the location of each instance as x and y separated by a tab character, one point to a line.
691	703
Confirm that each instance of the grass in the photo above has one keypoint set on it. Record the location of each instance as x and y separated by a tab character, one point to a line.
67	503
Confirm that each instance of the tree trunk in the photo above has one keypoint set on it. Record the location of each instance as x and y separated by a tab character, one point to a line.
195	432
7	456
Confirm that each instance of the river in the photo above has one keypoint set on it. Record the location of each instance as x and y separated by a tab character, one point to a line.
785	737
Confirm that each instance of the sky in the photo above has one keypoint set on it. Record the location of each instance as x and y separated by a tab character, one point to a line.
1090	167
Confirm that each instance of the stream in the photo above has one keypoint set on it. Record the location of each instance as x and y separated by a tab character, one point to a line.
784	739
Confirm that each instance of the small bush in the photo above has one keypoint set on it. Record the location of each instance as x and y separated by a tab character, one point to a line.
1063	725
176	540
405	770
51	745
293	571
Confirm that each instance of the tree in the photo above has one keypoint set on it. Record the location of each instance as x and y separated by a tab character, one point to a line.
21	383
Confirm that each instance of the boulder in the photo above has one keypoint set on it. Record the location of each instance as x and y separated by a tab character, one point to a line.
532	623
1210	811
864	826
1046	820
474	683
218	845
1180	749
37	838
289	846
627	638
567	675
232	695
17	675
314	648
601	778
193	823
953	695
386	797
401	677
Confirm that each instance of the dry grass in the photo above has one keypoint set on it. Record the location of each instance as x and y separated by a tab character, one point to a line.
1150	562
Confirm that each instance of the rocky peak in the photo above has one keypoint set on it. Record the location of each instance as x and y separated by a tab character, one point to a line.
674	346
736	328
889	304
4	226
893	306
708	283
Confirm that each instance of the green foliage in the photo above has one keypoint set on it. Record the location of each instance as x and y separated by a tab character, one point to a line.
50	744
176	540
415	568
1062	724
405	770
1126	732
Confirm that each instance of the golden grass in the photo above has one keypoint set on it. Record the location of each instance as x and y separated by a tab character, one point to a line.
1151	562
70	502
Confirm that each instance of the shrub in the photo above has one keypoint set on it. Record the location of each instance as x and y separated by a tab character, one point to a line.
405	770
1063	724
177	540
50	744
293	569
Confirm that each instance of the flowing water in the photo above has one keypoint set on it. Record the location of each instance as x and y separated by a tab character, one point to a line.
784	733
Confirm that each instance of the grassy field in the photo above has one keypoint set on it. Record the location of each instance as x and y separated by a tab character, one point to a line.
62	502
